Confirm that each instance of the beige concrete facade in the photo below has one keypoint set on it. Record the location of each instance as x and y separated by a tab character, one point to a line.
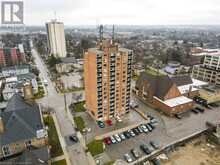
107	74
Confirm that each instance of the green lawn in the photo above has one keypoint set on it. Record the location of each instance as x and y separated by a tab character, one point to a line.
75	89
95	147
79	107
60	162
54	142
80	124
153	72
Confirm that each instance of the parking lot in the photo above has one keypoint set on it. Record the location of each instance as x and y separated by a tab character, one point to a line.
129	120
168	130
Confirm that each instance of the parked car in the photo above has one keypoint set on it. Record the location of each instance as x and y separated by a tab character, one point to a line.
73	138
133	104
127	135
135	153
117	138
135	130
122	136
131	133
151	125
195	111
140	130
113	140
215	105
149	128
144	128
200	109
107	141
155	144
150	147
152	121
155	161
128	158
145	149
101	124
109	122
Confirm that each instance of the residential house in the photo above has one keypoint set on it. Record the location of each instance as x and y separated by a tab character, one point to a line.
21	128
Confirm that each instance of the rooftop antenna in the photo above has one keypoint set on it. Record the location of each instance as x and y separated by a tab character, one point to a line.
101	35
113	34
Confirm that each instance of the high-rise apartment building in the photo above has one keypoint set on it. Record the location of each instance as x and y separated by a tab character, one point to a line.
56	38
107	74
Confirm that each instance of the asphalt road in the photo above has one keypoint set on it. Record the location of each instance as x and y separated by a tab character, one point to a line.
75	152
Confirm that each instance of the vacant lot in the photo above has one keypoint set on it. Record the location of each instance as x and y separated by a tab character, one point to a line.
198	152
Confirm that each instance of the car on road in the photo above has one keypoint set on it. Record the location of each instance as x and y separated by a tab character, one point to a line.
155	144
122	136
113	140
128	158
178	116
117	138
107	141
118	119
101	124
156	161
131	133
200	109
195	111
73	138
133	104
135	153
145	149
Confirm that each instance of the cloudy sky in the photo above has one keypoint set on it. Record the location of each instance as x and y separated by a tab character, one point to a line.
129	12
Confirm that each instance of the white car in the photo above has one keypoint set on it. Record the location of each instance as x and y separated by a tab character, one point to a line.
113	140
131	133
128	158
122	136
144	128
118	139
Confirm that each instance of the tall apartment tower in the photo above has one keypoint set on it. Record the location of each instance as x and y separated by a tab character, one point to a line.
56	38
107	75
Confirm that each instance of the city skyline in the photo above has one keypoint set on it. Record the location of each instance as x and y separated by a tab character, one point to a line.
146	12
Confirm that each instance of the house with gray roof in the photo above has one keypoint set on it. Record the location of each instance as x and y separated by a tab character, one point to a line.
21	127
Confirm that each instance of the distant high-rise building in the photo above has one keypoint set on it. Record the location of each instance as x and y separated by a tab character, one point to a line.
56	38
107	73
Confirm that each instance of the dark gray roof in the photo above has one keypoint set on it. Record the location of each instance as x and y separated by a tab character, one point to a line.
38	156
21	120
159	85
26	66
68	60
28	76
182	80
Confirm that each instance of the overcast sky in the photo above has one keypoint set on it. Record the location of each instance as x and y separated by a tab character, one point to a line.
129	12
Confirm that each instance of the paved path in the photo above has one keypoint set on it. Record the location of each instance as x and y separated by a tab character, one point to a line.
58	158
64	120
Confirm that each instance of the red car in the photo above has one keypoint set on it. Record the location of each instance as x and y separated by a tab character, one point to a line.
107	141
109	122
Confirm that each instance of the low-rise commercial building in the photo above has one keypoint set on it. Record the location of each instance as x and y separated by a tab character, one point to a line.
171	95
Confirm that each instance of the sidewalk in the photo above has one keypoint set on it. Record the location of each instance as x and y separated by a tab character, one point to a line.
61	139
